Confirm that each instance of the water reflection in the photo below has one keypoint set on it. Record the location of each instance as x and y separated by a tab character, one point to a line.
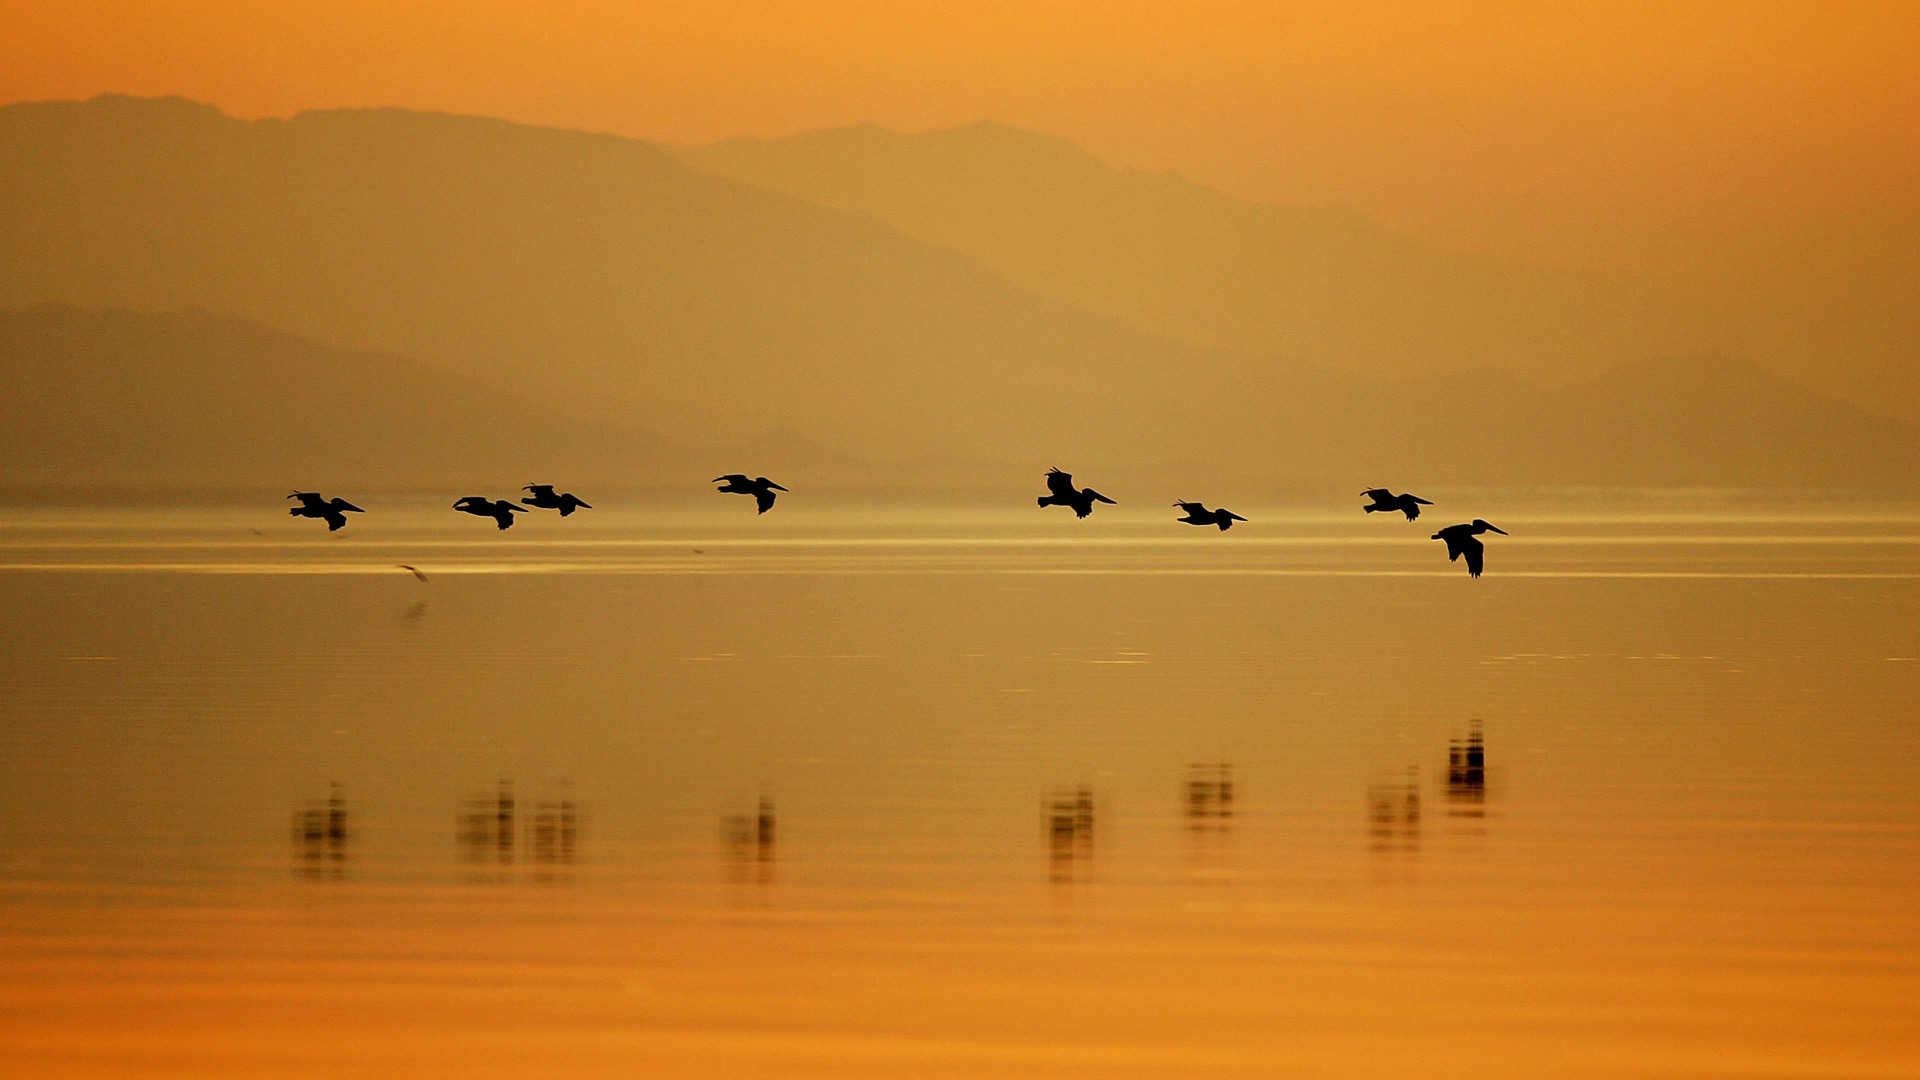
1393	813
484	828
1467	774
749	843
320	834
551	836
1209	796
1067	821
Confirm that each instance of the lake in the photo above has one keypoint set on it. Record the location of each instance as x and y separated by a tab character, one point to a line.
949	791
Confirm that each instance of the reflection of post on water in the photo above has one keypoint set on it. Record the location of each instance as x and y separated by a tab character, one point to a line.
1066	818
498	828
552	832
320	833
1467	774
1209	795
749	842
485	826
1393	812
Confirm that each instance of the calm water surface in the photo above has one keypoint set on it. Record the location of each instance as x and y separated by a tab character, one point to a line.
842	793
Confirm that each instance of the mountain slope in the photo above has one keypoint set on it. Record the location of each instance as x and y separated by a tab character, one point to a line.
594	274
112	398
196	400
1326	286
598	278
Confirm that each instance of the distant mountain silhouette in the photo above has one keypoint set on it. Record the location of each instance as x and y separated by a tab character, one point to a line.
115	398
1326	286
595	274
1702	422
190	399
535	277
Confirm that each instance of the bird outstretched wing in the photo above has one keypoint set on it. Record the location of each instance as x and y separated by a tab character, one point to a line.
1192	508
732	479
309	500
764	499
1060	483
1377	494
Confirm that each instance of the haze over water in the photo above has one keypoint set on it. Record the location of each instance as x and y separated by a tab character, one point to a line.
850	790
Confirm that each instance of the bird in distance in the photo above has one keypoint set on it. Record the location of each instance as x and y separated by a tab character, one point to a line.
1198	514
761	488
332	511
501	512
1386	500
1463	540
1064	494
544	498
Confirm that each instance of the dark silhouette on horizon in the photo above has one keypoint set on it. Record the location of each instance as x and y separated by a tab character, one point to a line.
761	488
1065	494
1198	514
544	498
332	511
1384	500
1463	540
501	512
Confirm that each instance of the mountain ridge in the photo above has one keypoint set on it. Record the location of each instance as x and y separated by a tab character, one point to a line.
605	282
249	406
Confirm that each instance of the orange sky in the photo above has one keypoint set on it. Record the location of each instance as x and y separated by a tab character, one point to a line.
1736	143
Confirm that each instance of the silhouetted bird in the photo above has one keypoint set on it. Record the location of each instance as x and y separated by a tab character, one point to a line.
332	511
1065	494
1386	500
1198	514
501	512
1461	540
545	499
759	487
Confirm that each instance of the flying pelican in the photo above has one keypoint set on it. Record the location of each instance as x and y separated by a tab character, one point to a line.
761	488
332	511
1383	499
1064	494
545	499
501	512
1198	514
1461	540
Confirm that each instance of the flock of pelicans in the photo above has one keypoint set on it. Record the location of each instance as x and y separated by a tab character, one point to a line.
1462	540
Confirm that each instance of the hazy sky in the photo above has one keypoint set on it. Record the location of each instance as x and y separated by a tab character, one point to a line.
1743	146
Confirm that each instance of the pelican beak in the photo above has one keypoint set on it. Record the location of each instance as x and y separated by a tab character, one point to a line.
776	487
1498	529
